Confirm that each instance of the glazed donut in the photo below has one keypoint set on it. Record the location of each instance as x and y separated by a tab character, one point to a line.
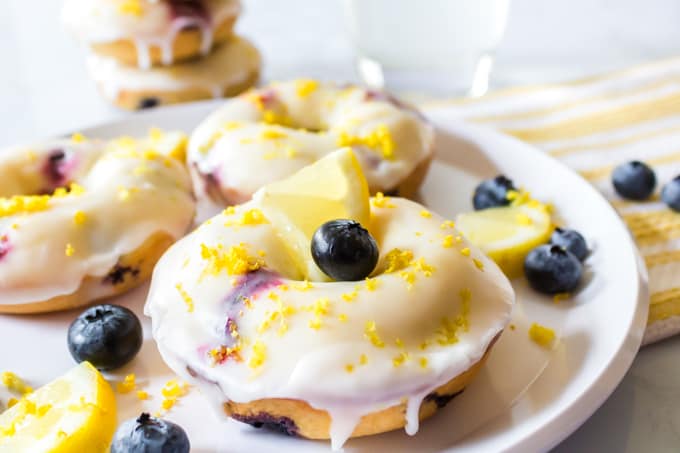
231	69
83	219
151	32
269	133
328	359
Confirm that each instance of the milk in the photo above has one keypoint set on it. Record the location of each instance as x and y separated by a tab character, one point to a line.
431	42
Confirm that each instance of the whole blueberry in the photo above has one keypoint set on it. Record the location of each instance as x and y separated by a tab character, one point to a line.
147	434
344	250
634	180
107	336
492	193
571	240
670	194
551	269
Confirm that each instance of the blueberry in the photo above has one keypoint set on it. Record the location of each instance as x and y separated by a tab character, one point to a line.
492	193
571	240
551	269
107	336
670	194
344	250
147	103
147	434
634	180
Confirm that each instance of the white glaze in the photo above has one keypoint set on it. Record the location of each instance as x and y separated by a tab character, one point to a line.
36	267
229	144
308	364
102	21
229	65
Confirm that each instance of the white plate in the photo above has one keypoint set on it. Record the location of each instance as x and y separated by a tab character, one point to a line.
526	398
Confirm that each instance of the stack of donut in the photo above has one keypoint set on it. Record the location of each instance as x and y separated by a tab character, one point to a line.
146	53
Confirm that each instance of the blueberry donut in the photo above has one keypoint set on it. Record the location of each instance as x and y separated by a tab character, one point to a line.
268	134
151	32
84	219
231	69
333	359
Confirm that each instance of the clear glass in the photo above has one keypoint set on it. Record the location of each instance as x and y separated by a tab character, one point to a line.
443	47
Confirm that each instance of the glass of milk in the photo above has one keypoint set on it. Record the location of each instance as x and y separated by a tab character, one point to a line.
442	47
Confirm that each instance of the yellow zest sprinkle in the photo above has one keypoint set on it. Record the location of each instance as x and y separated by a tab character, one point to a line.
478	264
419	233
342	317
371	333
447	224
291	152
409	277
229	210
272	134
380	139
185	297
541	335
321	307
171	391
78	138
14	383
423	267
381	201
127	385
423	362
131	7
399	342
315	323
513	327
233	261
363	360
259	355
465	251
303	286
79	218
559	297
400	359
23	204
349	368
371	284
11	402
155	134
250	217
397	259
425	213
447	242
142	395
69	251
305	87
349	297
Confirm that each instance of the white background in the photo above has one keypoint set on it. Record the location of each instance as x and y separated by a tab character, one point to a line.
44	90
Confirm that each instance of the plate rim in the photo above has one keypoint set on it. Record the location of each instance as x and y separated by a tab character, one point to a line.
590	398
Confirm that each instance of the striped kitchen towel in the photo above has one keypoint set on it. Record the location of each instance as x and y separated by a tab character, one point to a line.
593	125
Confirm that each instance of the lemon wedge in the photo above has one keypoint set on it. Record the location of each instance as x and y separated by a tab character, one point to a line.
507	234
74	413
333	187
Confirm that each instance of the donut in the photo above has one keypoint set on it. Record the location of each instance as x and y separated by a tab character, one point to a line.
84	219
269	133
151	32
231	69
335	359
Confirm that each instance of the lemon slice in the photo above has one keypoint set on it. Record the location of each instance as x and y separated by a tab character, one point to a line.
507	234
333	187
74	413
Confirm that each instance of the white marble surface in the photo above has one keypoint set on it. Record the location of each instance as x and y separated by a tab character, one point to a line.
44	90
